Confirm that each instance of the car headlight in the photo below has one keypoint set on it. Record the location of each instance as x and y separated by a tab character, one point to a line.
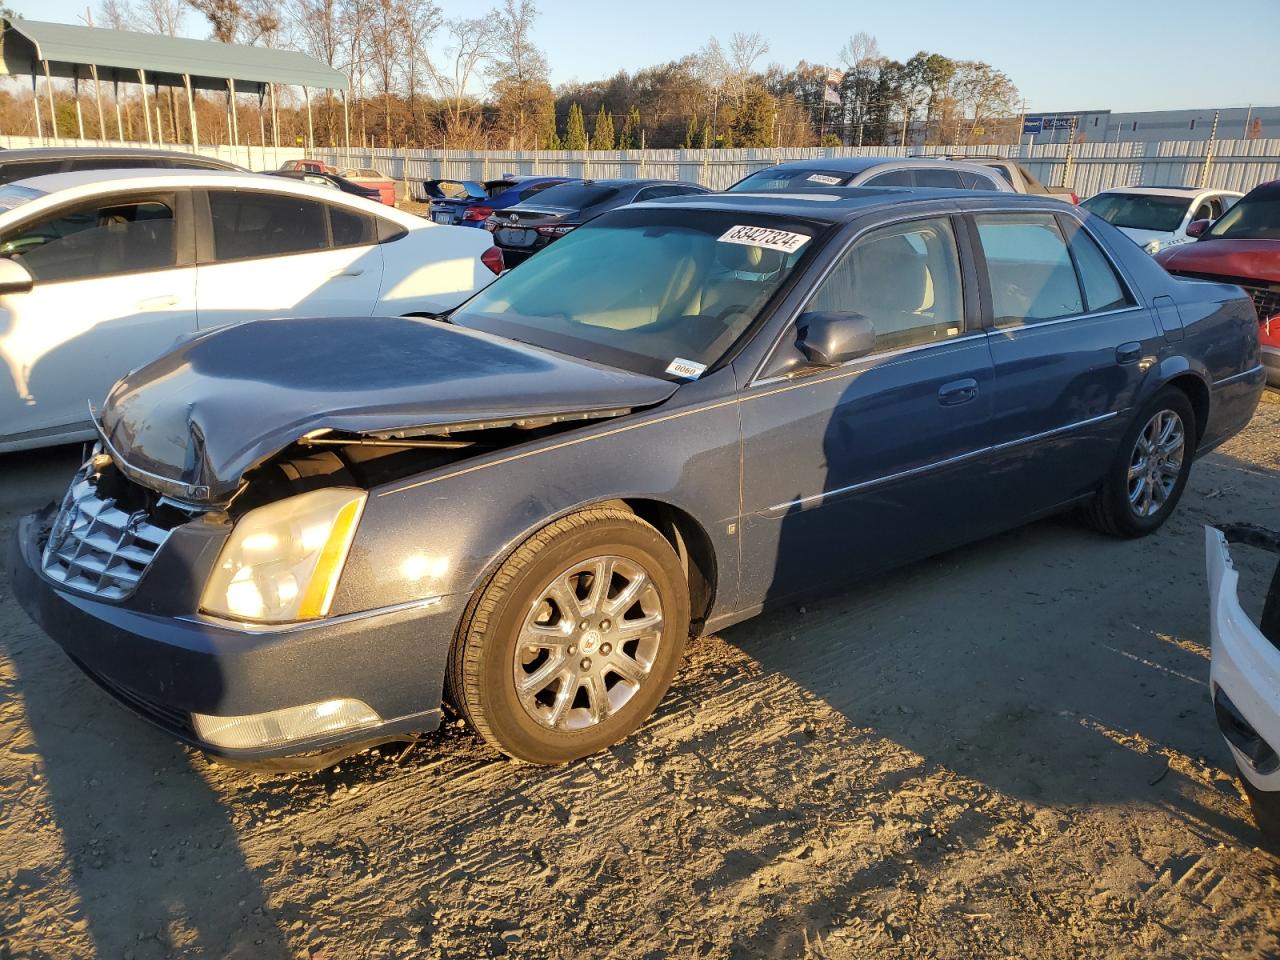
1152	247
282	561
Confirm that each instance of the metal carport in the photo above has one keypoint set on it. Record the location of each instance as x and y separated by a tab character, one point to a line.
122	56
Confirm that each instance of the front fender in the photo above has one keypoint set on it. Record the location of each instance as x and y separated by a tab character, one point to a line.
441	534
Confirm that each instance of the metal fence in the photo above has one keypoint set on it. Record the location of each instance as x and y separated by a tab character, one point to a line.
1085	168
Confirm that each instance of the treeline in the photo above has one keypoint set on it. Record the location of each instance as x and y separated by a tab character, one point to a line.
420	79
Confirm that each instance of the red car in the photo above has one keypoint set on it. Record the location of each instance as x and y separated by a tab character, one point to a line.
1241	247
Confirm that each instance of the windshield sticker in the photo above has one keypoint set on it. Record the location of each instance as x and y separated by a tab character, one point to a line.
686	368
765	237
830	181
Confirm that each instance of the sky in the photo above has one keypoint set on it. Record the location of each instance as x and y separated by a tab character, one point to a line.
1075	55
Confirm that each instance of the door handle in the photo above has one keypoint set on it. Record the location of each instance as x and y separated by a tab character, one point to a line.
158	303
353	272
1128	353
958	391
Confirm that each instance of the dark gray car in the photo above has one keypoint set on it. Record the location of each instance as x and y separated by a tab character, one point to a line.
38	161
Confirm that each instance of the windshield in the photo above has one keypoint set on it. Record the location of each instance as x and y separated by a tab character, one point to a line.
576	196
652	291
459	189
1139	211
13	196
1255	217
792	180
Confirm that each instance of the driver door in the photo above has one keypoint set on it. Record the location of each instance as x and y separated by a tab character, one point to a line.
855	468
114	287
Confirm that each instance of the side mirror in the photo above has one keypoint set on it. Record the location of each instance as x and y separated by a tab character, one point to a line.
1196	227
828	338
14	277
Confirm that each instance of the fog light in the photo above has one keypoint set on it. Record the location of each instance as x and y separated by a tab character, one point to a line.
284	726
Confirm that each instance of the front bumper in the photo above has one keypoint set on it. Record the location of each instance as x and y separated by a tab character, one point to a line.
1271	360
167	667
1245	674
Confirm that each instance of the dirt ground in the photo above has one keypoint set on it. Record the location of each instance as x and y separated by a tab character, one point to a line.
1006	751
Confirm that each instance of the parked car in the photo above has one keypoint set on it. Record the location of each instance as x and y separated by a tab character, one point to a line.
38	161
101	274
690	410
467	203
823	173
1244	676
375	179
523	230
1241	247
1016	175
307	166
331	181
1156	218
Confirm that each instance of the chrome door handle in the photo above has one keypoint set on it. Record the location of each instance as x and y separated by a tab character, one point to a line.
957	392
157	303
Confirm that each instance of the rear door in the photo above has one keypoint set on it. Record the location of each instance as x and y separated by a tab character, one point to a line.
1070	343
268	254
114	288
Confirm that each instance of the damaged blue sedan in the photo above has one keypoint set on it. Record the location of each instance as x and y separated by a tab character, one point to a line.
295	538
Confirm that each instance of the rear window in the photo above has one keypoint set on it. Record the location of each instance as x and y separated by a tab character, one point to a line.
577	196
24	169
791	180
459	189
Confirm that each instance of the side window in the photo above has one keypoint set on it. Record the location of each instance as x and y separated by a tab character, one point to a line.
653	193
1028	267
1203	212
537	188
1215	208
929	177
116	163
978	181
96	240
22	169
351	228
893	178
248	224
1103	289
1006	173
905	279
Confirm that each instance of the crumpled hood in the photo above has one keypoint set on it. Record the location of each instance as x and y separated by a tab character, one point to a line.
194	421
1246	259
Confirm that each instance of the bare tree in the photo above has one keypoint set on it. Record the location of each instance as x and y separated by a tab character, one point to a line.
519	70
386	32
422	20
114	15
471	45
160	16
744	50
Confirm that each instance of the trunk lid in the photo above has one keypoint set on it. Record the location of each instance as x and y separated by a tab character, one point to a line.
193	422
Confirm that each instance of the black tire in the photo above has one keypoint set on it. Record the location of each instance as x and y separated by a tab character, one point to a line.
1266	812
1110	510
482	675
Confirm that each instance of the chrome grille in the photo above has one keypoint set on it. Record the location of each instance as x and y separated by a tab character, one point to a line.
1266	298
95	547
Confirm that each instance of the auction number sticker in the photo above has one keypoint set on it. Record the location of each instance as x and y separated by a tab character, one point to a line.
829	180
686	368
765	237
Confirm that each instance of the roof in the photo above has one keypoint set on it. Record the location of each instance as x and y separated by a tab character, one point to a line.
141	153
841	204
1188	192
119	54
92	182
859	164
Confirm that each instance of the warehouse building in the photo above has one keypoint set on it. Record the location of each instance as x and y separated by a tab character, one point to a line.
1105	126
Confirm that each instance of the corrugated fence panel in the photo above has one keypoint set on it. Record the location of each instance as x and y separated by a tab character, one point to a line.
1086	167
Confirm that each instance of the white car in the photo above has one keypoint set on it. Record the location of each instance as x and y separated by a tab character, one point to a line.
1157	217
101	272
1244	678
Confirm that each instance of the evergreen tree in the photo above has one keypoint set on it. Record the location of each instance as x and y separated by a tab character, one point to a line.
575	134
691	134
602	136
704	140
550	137
629	138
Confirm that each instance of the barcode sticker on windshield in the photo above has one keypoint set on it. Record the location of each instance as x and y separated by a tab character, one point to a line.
830	181
765	237
686	368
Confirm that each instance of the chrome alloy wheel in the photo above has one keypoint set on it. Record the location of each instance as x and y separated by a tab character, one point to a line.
588	643
1156	462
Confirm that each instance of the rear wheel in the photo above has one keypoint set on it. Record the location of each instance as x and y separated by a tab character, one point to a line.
1150	472
574	641
1266	811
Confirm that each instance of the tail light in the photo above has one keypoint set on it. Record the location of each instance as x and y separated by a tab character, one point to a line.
1074	199
477	213
492	258
556	229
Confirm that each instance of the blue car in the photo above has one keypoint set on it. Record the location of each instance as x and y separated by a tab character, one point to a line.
469	203
690	410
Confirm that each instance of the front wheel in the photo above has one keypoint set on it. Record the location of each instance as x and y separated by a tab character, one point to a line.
1150	472
574	641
